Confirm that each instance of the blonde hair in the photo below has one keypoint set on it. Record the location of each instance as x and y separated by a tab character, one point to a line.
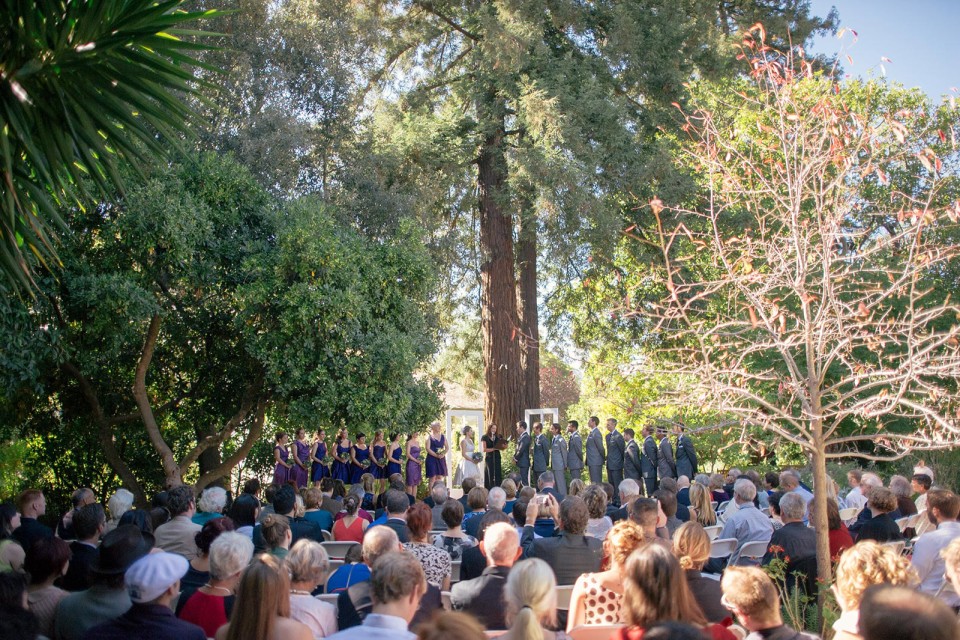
691	544
700	500
868	563
367	481
262	595
625	537
951	555
576	487
531	598
312	498
307	562
510	487
299	508
751	591
274	527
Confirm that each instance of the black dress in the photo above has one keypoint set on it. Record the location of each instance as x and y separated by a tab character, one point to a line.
492	472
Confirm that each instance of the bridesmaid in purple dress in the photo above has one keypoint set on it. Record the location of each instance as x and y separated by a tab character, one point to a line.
318	452
414	464
340	469
379	471
360	457
301	459
281	471
436	461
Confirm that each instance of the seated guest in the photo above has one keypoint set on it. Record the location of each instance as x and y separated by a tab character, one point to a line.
210	506
119	503
453	540
771	482
691	544
898	613
11	553
359	493
466	487
752	596
209	606
840	538
438	495
526	494
352	571
646	512
596	597
107	597
473	562
312	499
354	602
748	524
449	624
683	512
80	498
864	564
921	484
701	510
510	490
251	488
717	492
351	526
308	564
244	513
397	584
199	572
268	495
483	597
16	621
795	541
613	502
762	501
436	562
629	491
880	526
902	490
570	553
477	505
519	516
943	507
275	535
87	525
655	590
262	607
599	523
774	502
31	505
284	504
668	503
546	485
179	534
397	503
530	595
396	483
497	499
328	503
683	491
47	561
576	488
732	476
152	582
868	481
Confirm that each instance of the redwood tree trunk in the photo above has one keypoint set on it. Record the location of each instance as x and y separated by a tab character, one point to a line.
527	304
502	373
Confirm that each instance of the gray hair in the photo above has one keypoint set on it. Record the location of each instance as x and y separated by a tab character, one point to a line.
545	478
901	487
500	542
229	554
793	507
744	490
119	503
496	499
307	561
379	541
212	500
871	479
439	493
629	487
789	479
702	478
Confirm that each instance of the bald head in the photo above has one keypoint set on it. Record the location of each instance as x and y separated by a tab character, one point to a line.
377	542
500	544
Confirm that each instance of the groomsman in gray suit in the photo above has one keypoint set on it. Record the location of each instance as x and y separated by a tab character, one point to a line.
615	449
666	464
595	454
522	456
686	454
648	461
558	456
541	450
631	458
574	451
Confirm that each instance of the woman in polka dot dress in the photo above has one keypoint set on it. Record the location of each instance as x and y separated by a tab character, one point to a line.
596	597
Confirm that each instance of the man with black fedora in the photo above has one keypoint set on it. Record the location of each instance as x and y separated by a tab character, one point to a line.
107	596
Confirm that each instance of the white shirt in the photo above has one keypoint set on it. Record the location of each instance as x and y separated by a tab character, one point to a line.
856	499
928	563
320	616
377	626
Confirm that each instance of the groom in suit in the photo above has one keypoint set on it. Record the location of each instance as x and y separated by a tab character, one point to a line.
522	455
595	454
558	456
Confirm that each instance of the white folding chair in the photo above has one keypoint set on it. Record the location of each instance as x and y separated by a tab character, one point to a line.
328	597
722	506
754	550
849	514
594	631
904	523
455	571
897	545
327	536
563	596
713	505
337	550
723	547
713	531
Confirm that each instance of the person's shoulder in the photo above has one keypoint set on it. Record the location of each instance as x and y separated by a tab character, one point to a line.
290	629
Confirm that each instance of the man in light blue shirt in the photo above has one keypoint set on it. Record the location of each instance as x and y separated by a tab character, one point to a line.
748	524
790	482
397	583
943	507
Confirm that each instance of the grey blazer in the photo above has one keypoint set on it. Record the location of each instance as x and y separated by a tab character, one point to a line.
666	465
686	457
575	452
595	455
631	461
648	461
615	449
541	454
522	455
569	555
558	453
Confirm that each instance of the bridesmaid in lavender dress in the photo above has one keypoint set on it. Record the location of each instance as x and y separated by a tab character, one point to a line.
301	459
318	452
281	471
436	461
414	464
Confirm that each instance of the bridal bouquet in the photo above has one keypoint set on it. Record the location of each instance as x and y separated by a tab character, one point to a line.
477	456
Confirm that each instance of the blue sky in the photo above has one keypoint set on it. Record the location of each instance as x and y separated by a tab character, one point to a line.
918	36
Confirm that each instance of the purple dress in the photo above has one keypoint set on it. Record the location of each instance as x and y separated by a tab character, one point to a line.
414	470
298	473
394	467
436	466
341	470
357	470
319	471
379	452
280	472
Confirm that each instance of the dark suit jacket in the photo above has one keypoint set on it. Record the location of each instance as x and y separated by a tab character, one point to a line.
683	498
522	455
483	597
541	455
568	555
707	594
632	467
797	540
666	465
355	603
648	461
615	449
78	573
400	526
686	457
472	563
29	531
881	528
575	452
299	528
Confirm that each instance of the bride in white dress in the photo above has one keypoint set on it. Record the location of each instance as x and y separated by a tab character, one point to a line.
467	468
